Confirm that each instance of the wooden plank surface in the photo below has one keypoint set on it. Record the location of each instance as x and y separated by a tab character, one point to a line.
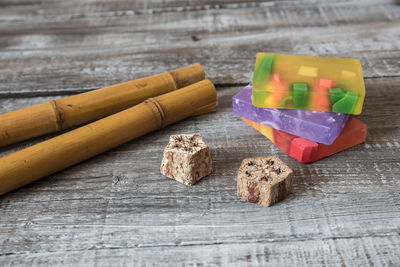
70	53
117	209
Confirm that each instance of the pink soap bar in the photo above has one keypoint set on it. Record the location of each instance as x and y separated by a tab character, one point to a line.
304	150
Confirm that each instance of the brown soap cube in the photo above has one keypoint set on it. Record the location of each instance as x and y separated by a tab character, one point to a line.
187	159
264	180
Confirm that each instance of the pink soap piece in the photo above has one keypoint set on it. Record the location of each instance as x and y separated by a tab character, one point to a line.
278	82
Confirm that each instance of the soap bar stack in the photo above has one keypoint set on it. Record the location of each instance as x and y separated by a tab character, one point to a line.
304	104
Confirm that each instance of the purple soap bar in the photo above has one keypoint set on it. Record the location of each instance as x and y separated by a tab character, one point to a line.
318	126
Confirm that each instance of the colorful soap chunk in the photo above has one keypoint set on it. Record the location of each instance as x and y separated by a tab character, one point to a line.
305	82
305	150
322	127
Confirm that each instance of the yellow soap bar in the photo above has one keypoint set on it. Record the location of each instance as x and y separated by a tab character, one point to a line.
305	82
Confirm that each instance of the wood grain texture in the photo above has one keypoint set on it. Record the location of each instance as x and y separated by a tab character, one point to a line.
56	53
117	209
120	202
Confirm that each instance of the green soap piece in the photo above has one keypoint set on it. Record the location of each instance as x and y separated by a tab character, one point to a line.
258	98
300	95
346	104
284	102
261	74
336	94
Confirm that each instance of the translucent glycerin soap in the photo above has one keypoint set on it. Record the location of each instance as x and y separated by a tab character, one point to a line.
305	82
305	150
321	127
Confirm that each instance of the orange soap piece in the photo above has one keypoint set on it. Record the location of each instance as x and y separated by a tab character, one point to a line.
281	87
320	99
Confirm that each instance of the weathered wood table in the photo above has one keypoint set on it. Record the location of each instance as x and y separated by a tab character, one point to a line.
117	209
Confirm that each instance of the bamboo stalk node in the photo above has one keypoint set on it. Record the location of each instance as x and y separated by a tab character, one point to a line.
153	101
58	116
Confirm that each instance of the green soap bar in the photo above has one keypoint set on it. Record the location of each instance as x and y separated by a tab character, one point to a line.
261	75
336	94
346	104
300	95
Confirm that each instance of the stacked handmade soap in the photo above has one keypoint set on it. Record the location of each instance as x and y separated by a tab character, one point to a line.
304	104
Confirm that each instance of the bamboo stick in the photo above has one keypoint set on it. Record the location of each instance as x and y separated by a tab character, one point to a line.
40	160
61	114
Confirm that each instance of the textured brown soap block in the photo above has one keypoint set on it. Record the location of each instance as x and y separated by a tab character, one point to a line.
264	180
187	159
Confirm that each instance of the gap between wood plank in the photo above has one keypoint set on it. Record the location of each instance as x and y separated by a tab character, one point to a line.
72	91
